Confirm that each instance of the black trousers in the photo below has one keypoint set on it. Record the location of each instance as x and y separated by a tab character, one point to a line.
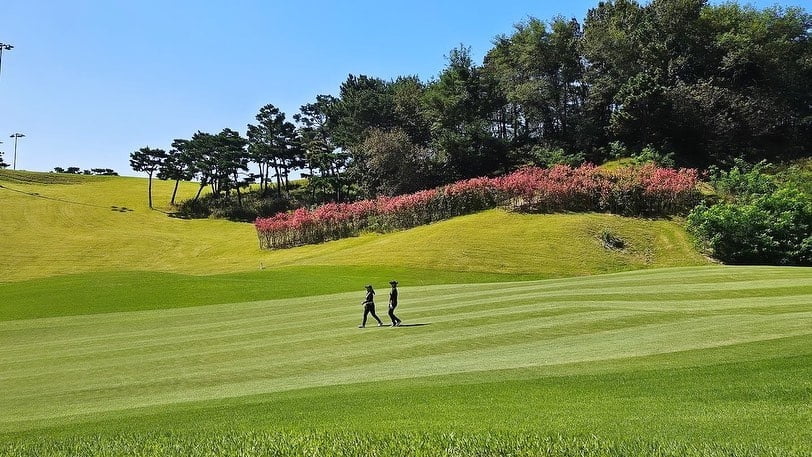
392	316
369	308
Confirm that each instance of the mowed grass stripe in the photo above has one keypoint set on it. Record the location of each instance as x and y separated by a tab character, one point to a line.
319	348
205	383
231	350
187	330
217	321
295	333
520	321
275	328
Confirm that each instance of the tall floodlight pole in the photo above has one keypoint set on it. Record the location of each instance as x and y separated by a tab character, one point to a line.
4	47
15	136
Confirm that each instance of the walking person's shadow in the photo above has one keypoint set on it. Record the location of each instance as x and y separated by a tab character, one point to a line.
412	325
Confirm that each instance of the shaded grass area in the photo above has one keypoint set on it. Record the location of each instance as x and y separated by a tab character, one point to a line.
32	177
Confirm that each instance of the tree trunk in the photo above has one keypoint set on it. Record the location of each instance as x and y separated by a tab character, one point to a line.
278	181
237	186
337	175
200	189
150	191
174	192
267	179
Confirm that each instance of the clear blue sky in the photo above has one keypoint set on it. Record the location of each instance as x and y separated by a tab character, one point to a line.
90	81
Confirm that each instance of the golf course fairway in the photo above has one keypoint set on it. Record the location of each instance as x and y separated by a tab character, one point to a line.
688	356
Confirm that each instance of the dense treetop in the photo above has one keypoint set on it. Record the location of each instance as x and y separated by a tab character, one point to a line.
682	82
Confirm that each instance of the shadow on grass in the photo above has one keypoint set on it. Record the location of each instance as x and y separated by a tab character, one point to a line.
412	325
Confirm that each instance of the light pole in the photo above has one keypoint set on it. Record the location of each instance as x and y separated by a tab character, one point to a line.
4	47
15	136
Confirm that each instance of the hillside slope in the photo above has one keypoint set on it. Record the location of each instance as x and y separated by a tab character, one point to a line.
54	225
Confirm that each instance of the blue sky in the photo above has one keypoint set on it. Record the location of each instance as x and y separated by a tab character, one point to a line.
90	81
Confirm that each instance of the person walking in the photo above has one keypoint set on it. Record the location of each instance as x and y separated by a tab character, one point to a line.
393	303
369	307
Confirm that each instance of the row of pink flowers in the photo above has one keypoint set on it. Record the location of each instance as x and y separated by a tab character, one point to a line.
646	190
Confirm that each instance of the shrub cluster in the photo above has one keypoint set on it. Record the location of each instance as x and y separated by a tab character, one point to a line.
772	228
226	206
646	190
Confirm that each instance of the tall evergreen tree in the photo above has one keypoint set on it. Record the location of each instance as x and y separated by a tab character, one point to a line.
147	160
176	166
323	159
459	103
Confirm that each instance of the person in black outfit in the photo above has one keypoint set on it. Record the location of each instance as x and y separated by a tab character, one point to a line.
393	303
369	307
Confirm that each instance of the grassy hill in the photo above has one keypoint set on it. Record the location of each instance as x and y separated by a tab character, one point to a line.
62	224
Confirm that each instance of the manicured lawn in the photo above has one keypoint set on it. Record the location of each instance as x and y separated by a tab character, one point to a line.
91	293
701	361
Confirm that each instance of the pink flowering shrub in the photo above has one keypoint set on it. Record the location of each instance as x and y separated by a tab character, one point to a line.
646	190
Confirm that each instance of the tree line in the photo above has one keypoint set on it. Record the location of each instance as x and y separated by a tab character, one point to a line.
92	171
681	82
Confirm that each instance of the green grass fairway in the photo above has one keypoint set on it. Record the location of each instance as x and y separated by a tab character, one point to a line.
701	361
55	225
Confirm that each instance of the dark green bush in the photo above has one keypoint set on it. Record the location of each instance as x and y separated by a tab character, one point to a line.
253	205
742	182
772	228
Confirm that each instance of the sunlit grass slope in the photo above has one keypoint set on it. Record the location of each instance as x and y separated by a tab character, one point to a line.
60	224
680	355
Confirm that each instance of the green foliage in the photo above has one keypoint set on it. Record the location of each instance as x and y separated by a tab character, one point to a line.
674	82
459	103
618	150
649	154
700	80
274	146
149	161
797	173
743	182
2	163
394	165
536	93
547	157
773	228
250	206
